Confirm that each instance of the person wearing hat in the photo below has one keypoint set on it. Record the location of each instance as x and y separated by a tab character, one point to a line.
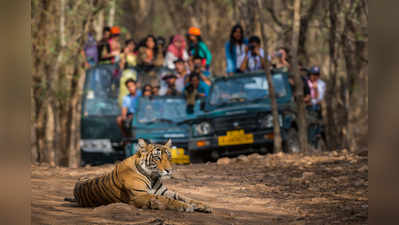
317	89
197	47
170	88
114	44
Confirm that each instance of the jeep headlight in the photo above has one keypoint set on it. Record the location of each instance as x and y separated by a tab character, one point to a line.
203	128
267	121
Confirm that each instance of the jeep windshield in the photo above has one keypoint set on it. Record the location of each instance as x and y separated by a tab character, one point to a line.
161	109
101	92
245	89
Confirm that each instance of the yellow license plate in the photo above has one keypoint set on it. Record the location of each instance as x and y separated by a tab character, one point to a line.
178	156
236	137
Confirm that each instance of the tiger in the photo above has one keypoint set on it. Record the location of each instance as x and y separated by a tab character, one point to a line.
137	180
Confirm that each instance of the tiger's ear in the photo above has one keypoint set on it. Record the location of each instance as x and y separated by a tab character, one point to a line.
169	143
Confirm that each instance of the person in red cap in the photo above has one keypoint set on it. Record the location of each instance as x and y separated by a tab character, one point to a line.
114	44
197	48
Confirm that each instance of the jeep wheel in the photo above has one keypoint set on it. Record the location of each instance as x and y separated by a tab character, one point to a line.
291	144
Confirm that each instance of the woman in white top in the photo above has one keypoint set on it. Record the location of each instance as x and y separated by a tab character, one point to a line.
176	50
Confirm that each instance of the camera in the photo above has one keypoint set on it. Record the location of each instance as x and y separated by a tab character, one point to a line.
160	42
197	68
251	47
278	54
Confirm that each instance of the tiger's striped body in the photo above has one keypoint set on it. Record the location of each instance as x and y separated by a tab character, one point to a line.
137	180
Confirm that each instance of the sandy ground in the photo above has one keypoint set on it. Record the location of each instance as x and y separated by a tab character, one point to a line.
274	189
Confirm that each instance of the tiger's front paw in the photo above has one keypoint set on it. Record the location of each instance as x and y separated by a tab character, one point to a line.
199	207
184	207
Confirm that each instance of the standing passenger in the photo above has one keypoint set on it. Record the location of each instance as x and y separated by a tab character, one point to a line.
317	89
103	48
197	48
128	57
114	44
235	50
176	50
254	56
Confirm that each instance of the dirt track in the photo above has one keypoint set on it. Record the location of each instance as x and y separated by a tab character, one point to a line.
273	189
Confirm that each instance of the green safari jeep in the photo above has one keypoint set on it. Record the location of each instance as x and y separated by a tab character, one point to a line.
237	117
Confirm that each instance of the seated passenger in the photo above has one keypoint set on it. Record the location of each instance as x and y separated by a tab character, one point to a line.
128	107
170	88
128	57
176	50
126	75
197	48
181	73
254	56
147	90
235	50
148	53
155	90
103	48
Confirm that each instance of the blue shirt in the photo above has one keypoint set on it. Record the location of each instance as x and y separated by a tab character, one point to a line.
130	102
203	88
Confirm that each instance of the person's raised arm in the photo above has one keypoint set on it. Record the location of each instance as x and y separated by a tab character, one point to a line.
206	79
244	63
261	54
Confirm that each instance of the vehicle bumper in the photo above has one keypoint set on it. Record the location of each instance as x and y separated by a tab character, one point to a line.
210	143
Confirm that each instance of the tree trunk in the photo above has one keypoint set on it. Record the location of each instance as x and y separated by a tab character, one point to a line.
50	137
99	24
276	124
111	16
330	98
302	126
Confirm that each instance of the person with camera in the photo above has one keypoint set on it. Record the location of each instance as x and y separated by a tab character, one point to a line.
170	88
280	60
254	56
235	50
198	87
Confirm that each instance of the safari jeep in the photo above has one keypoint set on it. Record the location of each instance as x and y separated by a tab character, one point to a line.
100	135
158	119
101	139
237	117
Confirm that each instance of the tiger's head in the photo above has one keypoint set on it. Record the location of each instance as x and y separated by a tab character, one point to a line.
155	159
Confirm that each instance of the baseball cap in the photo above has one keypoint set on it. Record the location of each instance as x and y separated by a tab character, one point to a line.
315	70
